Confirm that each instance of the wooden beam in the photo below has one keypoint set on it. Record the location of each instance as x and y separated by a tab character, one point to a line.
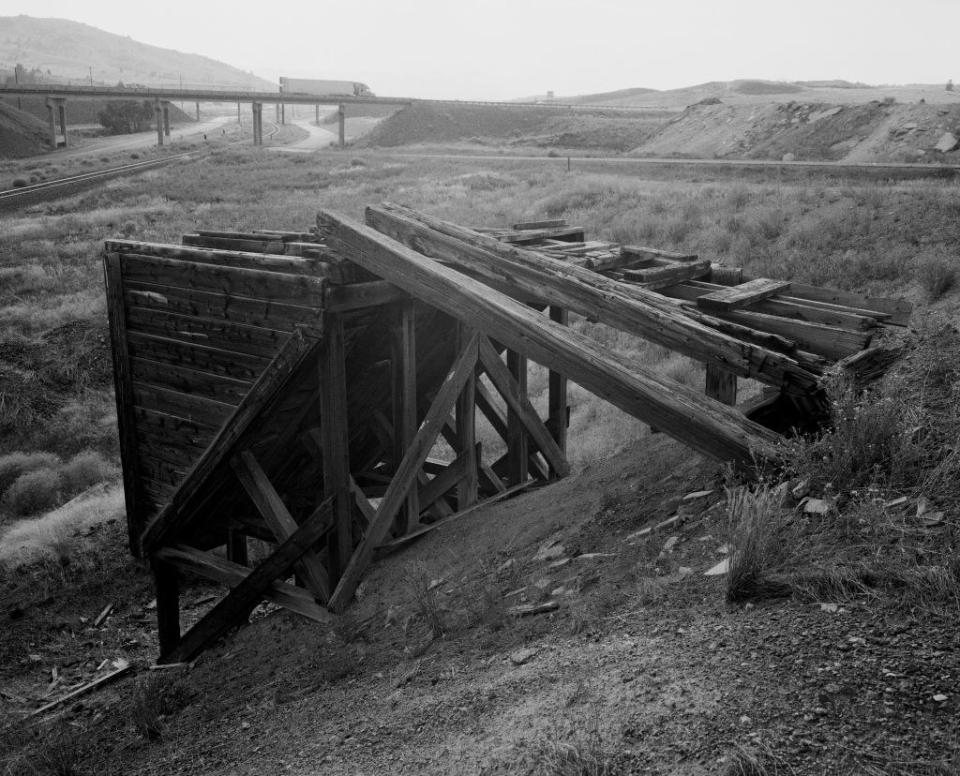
357	296
406	475
517	447
466	427
123	393
336	442
721	385
175	514
275	514
558	417
514	393
452	476
404	372
167	587
237	547
227	572
239	601
733	297
630	308
659	277
708	427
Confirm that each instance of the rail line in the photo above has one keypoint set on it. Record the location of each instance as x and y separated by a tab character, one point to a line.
38	192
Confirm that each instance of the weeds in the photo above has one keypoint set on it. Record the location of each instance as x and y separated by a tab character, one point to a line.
33	492
758	546
155	699
426	603
936	275
582	754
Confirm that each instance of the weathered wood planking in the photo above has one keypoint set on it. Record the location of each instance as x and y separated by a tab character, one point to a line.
657	277
628	308
718	431
250	245
184	405
250	340
224	389
734	297
286	288
259	262
240	366
265	313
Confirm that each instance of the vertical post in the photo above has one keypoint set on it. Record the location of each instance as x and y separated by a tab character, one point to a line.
52	122
517	446
257	123
283	113
336	440
237	546
123	392
558	418
721	385
167	587
467	429
198	110
62	111
166	119
238	111
317	106
342	117
277	109
158	117
405	405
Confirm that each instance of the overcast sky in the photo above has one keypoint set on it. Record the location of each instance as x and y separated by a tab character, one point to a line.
502	49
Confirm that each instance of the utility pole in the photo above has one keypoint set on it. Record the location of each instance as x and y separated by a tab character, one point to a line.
90	70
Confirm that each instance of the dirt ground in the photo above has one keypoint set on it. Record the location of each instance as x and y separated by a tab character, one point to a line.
636	659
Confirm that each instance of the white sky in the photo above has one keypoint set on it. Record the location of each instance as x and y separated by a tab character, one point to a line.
502	49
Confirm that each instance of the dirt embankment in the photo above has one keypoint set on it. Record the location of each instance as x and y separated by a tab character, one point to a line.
871	132
522	126
20	133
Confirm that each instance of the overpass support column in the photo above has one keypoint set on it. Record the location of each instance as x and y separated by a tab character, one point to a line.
318	114
277	106
341	116
198	111
158	118
283	113
257	123
166	119
62	115
52	121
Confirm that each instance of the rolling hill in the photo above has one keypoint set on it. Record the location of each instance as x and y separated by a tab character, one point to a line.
68	51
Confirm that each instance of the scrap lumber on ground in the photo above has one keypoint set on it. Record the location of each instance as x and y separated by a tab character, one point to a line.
296	386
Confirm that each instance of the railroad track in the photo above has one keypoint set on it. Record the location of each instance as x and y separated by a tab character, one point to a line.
39	192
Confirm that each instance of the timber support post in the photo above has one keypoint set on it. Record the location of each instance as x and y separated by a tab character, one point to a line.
558	418
404	367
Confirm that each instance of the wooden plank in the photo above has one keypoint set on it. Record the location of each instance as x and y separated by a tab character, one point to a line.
645	254
89	687
252	340
451	477
404	373
254	245
179	431
237	550
514	393
184	405
558	410
721	385
166	584
517	448
406	474
299	347
226	572
629	308
225	259
567	233
360	295
240	366
227	390
264	313
123	393
466	428
734	297
552	223
658	277
336	442
241	599
717	431
275	514
303	290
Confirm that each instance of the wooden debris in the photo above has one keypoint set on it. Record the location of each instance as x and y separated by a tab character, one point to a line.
84	689
732	297
103	615
528	610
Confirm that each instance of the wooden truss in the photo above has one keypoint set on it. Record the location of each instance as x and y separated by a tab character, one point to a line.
292	403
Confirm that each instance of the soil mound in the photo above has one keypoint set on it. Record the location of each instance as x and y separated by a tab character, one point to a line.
20	133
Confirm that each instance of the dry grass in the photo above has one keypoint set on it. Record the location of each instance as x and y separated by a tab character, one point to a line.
756	521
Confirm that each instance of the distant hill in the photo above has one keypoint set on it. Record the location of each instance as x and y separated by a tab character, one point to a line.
66	51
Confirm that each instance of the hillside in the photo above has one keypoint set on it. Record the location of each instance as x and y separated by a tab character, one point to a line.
20	133
68	50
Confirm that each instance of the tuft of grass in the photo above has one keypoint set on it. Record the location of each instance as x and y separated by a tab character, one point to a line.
17	463
86	468
936	276
60	751
426	603
156	698
758	547
586	754
34	492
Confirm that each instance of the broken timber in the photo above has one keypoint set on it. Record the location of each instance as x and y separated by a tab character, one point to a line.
298	387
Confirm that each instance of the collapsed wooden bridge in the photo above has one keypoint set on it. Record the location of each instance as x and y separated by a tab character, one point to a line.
321	390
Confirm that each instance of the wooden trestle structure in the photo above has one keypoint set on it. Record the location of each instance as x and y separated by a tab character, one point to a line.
297	387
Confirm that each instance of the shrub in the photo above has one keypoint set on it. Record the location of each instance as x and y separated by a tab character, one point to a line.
34	492
85	469
14	464
758	547
19	183
155	699
936	275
